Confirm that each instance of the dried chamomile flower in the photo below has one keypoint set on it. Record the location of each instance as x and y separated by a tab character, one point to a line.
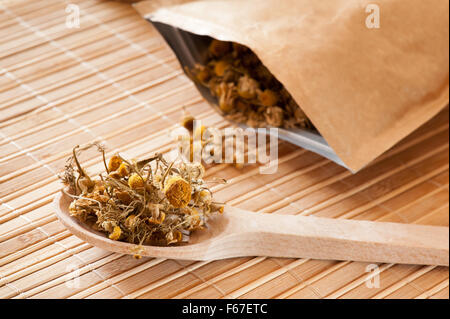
217	208
80	209
247	87
135	181
231	75
188	122
300	116
158	220
203	74
115	175
255	119
196	148
123	170
227	97
219	48
174	237
130	221
202	144
115	235
137	251
195	170
220	67
85	184
154	212
203	197
268	97
178	191
114	163
274	116
195	220
108	224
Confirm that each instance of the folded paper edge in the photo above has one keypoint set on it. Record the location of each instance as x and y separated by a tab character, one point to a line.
354	162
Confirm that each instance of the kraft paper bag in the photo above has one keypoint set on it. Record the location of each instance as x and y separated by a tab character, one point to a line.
366	74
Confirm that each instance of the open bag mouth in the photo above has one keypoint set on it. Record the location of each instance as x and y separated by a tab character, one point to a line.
191	49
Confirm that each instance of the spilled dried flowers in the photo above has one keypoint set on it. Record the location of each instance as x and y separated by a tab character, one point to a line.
246	91
146	202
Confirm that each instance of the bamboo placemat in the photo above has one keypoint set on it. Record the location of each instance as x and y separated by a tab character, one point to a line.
114	80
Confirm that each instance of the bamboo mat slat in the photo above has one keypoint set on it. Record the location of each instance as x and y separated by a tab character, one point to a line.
114	80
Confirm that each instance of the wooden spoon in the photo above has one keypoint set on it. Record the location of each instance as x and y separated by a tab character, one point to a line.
239	233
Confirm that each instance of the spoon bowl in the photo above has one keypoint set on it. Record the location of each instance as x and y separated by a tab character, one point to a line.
239	233
197	241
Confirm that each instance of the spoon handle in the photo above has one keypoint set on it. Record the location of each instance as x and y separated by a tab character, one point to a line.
338	239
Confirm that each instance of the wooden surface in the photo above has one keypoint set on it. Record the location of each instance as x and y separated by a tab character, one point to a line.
114	80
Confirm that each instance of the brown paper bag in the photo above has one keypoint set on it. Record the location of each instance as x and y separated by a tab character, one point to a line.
364	85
